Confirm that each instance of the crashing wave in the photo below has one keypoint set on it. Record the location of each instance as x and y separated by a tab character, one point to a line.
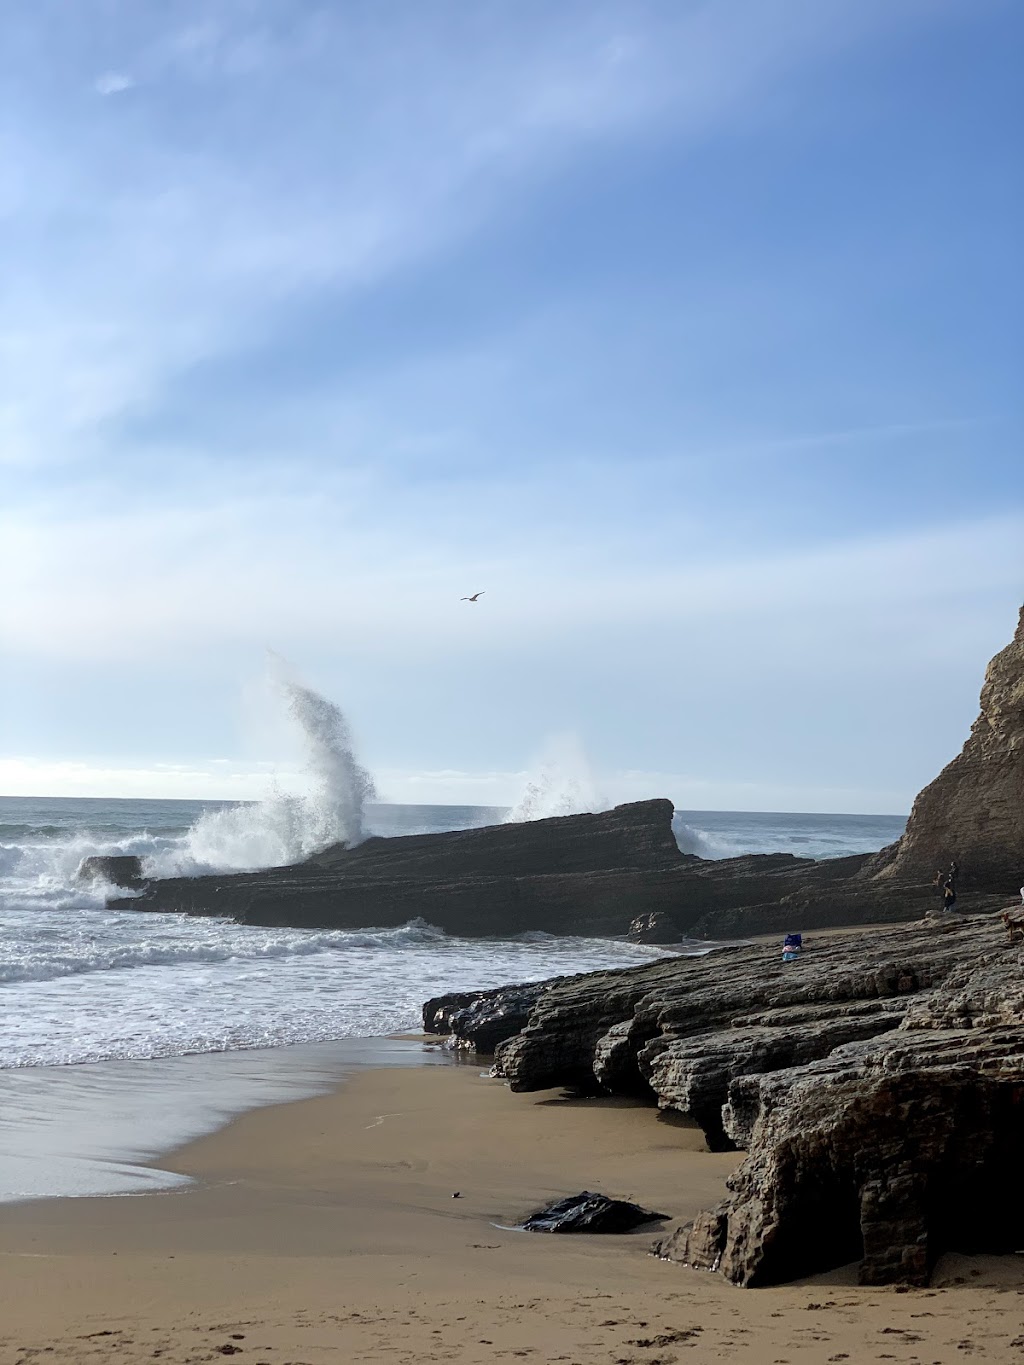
283	828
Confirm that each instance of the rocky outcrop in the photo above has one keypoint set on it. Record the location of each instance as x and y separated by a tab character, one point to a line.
577	874
589	1212
877	1084
889	1152
120	869
479	1020
974	810
653	927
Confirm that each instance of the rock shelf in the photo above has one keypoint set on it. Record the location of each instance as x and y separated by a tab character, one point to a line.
876	1084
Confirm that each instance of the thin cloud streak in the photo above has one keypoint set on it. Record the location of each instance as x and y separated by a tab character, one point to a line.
203	579
194	232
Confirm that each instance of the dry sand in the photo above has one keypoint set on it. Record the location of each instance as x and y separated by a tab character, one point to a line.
326	1231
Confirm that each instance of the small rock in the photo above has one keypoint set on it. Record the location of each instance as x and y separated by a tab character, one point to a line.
589	1212
653	927
118	869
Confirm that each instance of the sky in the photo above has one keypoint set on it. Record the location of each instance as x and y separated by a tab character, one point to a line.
687	331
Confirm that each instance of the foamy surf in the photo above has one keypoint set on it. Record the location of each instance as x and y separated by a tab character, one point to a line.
123	985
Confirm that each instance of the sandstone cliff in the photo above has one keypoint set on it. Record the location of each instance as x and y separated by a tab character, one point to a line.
974	809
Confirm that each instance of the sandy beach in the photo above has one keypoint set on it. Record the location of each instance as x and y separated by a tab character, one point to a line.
324	1230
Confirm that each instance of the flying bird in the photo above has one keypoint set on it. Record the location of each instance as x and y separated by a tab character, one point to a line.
471	599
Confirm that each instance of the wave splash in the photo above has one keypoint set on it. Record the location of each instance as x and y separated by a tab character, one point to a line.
563	784
283	828
703	844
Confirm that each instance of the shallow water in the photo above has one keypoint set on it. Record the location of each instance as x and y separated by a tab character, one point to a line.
86	1130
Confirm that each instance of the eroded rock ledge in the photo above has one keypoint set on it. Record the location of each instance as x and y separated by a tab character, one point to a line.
877	1086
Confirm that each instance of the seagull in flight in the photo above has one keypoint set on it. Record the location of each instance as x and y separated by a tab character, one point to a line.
471	599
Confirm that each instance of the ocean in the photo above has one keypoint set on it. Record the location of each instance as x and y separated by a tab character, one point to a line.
83	984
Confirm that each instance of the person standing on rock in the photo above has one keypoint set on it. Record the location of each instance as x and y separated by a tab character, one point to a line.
948	894
954	873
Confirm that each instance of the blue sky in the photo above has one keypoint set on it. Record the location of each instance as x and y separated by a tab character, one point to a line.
690	332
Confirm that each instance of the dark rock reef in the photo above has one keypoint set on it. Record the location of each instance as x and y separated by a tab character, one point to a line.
875	1081
877	1085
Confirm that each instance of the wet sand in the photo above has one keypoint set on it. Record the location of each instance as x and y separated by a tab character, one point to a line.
324	1230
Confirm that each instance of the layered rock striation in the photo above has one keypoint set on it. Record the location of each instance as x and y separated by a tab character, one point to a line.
877	1085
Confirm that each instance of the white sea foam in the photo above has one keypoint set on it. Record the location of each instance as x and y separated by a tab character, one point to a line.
563	783
120	943
43	872
87	986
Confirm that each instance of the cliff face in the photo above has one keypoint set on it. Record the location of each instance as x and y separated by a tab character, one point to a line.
974	810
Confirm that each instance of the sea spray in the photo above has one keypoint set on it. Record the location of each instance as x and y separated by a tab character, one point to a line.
343	786
284	827
563	784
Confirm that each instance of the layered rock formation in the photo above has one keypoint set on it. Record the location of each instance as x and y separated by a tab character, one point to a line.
974	810
120	869
576	874
877	1085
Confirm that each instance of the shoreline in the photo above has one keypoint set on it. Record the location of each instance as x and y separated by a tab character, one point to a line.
103	1129
323	1230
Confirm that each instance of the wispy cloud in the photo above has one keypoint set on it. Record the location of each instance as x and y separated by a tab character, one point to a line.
113	83
354	562
144	249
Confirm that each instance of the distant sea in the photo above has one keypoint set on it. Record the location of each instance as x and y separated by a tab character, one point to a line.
80	983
